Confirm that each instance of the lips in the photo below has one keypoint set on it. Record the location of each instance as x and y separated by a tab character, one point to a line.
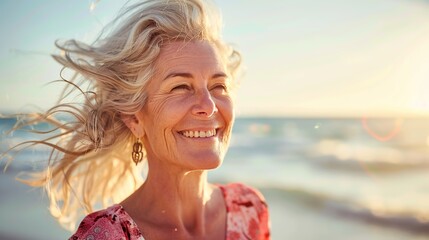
199	133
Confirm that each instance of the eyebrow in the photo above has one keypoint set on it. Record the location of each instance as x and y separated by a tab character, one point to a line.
188	75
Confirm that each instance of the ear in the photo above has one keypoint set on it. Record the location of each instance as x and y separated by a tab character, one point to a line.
134	123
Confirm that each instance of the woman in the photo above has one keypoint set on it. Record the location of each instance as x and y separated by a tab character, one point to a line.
160	89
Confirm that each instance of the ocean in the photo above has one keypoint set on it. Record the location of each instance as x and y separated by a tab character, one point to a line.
323	178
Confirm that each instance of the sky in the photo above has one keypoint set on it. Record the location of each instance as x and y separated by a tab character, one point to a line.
302	57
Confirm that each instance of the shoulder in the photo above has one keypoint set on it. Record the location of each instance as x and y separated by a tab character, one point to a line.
238	193
247	212
109	223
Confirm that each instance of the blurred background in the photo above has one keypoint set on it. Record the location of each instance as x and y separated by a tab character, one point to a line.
332	114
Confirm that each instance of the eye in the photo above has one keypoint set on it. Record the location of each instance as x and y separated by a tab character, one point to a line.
220	87
181	87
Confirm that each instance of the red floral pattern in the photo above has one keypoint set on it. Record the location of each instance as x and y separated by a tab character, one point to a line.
247	213
247	218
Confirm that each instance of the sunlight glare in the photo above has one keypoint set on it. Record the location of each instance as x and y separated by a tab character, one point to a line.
93	5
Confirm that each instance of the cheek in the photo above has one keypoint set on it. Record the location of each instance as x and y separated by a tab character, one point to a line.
225	106
162	113
162	108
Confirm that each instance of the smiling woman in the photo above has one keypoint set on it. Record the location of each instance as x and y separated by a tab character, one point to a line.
187	97
160	92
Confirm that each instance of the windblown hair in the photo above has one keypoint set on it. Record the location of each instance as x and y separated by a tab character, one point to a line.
90	162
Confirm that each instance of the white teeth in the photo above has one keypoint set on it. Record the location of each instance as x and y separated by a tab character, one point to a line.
199	134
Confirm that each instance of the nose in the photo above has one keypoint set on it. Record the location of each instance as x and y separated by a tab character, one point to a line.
204	105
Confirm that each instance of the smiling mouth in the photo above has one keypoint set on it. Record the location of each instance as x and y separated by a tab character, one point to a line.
199	134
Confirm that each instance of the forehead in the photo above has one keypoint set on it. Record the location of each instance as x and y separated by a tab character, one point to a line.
194	55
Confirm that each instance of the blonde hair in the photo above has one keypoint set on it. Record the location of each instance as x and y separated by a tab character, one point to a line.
90	161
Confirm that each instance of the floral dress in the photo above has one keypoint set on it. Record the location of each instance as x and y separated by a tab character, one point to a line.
247	218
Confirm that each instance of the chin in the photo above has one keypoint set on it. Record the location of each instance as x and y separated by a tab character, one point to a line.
206	163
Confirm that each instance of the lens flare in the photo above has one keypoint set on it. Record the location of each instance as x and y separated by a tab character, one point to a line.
386	137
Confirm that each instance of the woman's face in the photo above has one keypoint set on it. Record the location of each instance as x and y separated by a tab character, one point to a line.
188	116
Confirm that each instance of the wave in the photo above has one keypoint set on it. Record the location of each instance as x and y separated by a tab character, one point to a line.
406	220
344	155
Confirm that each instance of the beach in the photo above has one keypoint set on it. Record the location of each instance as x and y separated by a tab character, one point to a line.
25	216
322	179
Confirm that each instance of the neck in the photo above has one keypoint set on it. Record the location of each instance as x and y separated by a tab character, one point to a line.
175	199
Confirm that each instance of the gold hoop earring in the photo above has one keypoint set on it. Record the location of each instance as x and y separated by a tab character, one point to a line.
137	153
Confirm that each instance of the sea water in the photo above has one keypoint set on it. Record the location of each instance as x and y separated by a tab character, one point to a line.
323	178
